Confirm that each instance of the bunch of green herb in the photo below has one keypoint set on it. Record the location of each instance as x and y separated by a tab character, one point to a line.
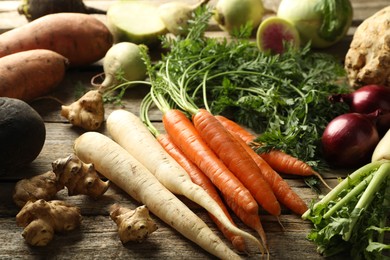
352	218
283	97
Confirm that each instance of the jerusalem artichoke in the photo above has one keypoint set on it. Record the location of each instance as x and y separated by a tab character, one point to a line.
42	186
79	177
133	225
41	219
87	112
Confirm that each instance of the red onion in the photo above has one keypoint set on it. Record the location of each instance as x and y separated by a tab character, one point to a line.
349	139
368	99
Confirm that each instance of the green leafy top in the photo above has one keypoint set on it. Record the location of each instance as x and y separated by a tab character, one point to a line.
283	97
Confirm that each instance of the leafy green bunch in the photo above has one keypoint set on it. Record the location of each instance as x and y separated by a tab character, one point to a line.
282	97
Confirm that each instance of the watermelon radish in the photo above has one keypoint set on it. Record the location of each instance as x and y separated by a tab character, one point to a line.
273	32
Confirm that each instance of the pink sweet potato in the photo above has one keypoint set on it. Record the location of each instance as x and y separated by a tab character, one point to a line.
81	38
30	74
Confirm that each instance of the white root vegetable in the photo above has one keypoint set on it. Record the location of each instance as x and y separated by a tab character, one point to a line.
129	131
122	62
116	164
382	149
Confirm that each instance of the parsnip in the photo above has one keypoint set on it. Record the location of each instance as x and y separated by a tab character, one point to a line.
128	131
116	164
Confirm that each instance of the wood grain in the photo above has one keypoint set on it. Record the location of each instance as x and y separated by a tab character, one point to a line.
97	238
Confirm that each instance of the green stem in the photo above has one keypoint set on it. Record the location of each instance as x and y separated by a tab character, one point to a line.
351	194
380	176
349	180
146	103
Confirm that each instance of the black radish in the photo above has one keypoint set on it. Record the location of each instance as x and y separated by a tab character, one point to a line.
33	9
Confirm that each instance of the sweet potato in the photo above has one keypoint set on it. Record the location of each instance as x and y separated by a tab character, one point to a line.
81	38
30	74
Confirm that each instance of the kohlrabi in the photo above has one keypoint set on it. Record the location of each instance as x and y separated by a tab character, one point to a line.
323	22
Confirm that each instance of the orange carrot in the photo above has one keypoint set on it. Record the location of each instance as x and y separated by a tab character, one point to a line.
278	160
251	220
199	178
236	128
185	136
280	187
231	152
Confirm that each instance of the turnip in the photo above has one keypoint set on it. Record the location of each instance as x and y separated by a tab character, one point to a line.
274	32
122	62
176	14
135	21
233	14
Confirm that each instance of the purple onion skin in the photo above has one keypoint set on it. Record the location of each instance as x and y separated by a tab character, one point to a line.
366	100
349	140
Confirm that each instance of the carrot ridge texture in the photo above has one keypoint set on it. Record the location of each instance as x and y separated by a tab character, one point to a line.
116	164
278	160
186	137
132	134
280	187
199	178
237	159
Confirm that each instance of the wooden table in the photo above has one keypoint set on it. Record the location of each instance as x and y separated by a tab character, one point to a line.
97	237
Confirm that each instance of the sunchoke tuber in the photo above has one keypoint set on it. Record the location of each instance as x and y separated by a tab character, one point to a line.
133	225
79	177
42	186
87	112
41	219
368	58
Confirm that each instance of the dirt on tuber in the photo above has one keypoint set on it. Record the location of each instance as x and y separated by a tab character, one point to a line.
79	177
86	112
43	186
133	225
42	219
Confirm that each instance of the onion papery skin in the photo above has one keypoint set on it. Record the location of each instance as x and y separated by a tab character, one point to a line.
366	100
349	140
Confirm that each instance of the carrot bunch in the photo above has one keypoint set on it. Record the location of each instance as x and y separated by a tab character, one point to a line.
245	181
228	166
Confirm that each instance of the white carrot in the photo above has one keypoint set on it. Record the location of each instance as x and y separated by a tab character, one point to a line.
132	134
116	164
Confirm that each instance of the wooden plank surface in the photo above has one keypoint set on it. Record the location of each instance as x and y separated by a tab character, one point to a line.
97	237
